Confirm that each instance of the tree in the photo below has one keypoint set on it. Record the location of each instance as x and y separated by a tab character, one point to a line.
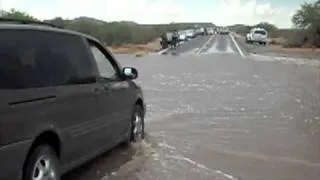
308	18
272	29
111	33
58	21
14	14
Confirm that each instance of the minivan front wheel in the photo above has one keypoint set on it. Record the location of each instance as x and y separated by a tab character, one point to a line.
42	164
137	126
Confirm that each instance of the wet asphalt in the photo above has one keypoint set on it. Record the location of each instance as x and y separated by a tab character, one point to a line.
217	113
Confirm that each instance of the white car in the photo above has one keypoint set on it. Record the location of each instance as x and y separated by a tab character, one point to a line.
224	31
182	35
210	31
257	35
190	33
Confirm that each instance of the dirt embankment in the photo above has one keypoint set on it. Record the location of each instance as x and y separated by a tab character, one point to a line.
309	53
280	44
138	49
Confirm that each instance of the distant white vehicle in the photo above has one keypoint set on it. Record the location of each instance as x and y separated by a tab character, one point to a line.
169	36
182	36
224	31
190	33
198	31
202	30
210	31
257	35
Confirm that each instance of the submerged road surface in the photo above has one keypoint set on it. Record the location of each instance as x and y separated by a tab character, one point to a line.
220	115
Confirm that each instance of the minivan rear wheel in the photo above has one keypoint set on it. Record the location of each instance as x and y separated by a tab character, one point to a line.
42	164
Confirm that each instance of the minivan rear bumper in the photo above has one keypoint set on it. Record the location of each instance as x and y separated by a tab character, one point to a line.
12	158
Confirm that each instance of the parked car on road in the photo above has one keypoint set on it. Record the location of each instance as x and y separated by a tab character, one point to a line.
257	35
224	31
190	33
198	31
210	30
182	35
170	40
64	100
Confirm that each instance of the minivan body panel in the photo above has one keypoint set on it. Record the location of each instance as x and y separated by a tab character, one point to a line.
24	113
12	158
80	113
87	117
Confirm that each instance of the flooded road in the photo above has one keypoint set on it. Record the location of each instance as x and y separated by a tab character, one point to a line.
220	116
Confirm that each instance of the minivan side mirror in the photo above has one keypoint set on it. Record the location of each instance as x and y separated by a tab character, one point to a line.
130	73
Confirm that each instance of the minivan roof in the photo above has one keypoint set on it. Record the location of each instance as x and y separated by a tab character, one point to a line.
35	27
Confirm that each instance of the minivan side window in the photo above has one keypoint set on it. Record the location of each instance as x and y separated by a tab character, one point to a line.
105	67
34	59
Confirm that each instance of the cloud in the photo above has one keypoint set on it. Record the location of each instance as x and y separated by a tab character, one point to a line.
265	10
250	12
222	12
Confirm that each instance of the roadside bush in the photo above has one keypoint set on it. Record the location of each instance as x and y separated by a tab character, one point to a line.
273	42
110	33
301	39
277	41
307	18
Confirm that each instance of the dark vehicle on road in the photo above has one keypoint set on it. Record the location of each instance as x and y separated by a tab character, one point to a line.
169	40
164	42
64	100
190	33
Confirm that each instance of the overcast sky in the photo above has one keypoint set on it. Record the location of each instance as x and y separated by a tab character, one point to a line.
220	12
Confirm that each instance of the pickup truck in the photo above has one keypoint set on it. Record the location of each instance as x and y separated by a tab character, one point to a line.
210	31
257	35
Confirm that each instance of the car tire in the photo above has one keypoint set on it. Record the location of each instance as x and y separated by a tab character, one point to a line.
42	162
137	114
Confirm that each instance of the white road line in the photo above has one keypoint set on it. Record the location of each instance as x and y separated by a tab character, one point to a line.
205	44
229	48
193	51
226	175
163	51
198	165
237	46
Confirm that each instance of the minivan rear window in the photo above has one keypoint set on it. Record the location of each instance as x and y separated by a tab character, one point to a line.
260	32
33	59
